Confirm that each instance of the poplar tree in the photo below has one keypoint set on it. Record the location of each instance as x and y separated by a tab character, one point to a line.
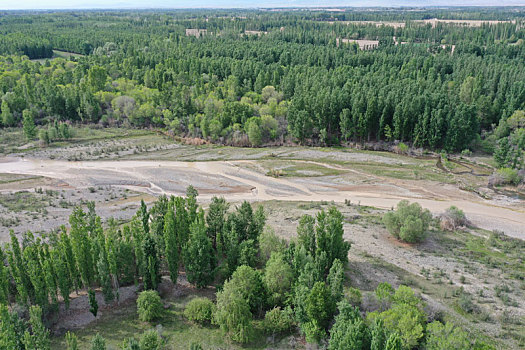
93	304
28	125
199	257
38	339
69	260
19	270
82	247
171	244
191	203
144	216
4	279
64	282
104	277
151	277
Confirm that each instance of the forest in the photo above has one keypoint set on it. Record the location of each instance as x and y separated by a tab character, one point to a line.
280	122
252	78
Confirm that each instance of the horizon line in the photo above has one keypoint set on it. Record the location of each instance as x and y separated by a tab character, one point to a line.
263	8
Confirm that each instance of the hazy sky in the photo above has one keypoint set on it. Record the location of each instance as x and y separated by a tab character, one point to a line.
70	4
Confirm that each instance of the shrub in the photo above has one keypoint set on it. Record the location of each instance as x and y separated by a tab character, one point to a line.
402	148
354	296
408	222
446	337
98	342
269	242
453	218
278	278
278	321
199	310
466	303
248	282
150	340
233	316
149	305
508	176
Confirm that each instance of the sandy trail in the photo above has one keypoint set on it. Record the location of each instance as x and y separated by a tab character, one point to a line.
235	183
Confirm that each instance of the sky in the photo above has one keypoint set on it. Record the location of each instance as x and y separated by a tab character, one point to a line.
87	4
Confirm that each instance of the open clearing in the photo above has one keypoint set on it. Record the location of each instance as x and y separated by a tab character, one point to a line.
373	179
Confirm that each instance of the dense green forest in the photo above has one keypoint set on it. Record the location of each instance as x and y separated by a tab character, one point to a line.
259	77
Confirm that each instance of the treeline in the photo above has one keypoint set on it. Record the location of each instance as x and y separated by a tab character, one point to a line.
446	87
23	44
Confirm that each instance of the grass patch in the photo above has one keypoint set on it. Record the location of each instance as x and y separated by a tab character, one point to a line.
24	201
117	325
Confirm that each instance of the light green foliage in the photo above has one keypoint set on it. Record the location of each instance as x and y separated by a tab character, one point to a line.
384	292
446	337
149	305
394	342
409	222
130	344
98	342
508	176
233	316
277	320
38	339
71	341
28	124
150	340
11	329
269	242
254	132
278	278
199	310
7	116
405	317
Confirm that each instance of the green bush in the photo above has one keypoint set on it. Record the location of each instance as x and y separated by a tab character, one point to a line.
149	305
150	340
509	176
403	148
409	222
354	296
233	316
278	321
453	218
199	310
446	337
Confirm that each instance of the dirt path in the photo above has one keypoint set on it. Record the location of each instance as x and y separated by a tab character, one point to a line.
235	182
